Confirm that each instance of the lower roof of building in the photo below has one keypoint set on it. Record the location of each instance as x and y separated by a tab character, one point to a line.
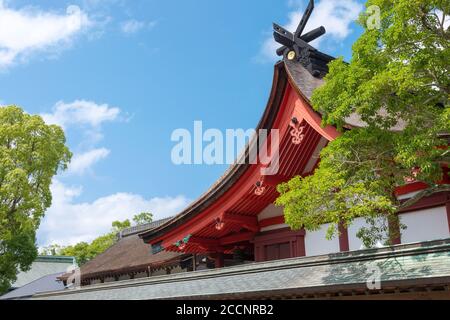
425	265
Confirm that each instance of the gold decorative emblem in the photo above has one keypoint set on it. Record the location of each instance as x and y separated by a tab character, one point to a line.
291	55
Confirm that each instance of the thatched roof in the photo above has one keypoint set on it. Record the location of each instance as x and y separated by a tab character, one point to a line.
128	255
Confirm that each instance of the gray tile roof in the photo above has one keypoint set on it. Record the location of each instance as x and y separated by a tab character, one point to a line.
43	266
48	283
414	264
141	228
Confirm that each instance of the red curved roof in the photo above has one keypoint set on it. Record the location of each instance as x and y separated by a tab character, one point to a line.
233	195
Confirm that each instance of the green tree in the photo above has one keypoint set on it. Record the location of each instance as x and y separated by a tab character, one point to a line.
31	153
398	77
143	218
52	250
118	226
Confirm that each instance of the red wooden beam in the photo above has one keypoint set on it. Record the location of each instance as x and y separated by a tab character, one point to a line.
303	111
410	187
238	237
344	244
248	222
435	200
204	242
272	221
275	180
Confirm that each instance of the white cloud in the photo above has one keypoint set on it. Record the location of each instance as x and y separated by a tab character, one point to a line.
29	30
82	162
87	118
133	26
81	112
335	15
68	222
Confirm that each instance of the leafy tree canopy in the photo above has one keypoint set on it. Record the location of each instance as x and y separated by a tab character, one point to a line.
398	78
31	153
143	218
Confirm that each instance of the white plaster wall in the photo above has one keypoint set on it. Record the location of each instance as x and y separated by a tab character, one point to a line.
424	225
316	242
354	242
270	212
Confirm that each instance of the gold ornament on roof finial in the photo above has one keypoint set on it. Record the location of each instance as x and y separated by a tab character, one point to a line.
296	47
291	55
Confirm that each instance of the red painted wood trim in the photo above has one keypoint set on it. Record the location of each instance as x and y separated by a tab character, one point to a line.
435	200
446	175
344	244
296	240
218	260
418	185
248	222
276	235
304	111
301	246
275	180
411	187
234	218
448	211
236	238
271	221
204	241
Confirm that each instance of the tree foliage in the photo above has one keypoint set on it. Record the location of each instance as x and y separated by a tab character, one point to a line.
143	218
31	153
398	84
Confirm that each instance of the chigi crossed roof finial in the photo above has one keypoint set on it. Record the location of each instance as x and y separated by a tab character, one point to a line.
296	45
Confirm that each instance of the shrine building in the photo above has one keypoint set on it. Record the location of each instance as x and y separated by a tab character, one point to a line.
254	253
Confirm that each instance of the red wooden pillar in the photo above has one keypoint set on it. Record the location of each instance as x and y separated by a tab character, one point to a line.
301	247
259	253
343	238
218	260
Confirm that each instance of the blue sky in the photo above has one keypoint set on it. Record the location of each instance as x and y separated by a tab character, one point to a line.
120	76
